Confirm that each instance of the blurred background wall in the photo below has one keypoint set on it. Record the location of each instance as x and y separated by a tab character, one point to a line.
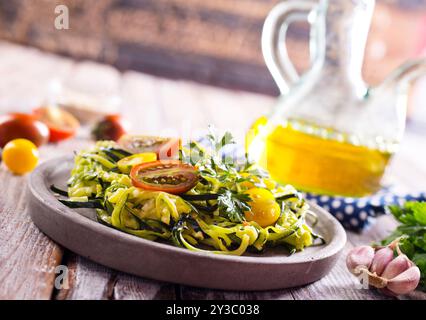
211	41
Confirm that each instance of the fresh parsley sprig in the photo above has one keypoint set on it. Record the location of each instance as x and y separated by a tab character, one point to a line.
413	226
233	205
212	164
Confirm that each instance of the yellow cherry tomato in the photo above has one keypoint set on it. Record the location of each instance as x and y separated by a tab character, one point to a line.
20	156
260	194
126	164
264	209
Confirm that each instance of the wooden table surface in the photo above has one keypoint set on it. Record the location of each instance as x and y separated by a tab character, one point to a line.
28	258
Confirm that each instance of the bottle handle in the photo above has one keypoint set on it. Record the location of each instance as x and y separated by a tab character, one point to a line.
274	40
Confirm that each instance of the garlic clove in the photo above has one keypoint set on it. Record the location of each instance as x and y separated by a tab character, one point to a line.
381	259
397	266
359	258
405	282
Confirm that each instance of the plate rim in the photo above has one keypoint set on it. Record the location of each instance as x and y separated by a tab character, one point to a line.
36	179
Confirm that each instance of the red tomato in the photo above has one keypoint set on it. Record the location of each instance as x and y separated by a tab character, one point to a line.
22	126
62	124
111	127
170	176
165	148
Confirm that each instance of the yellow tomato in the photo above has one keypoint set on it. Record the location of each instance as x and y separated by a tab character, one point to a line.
260	194
264	209
20	156
126	164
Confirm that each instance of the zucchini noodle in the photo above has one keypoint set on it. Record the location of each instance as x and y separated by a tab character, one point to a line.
196	220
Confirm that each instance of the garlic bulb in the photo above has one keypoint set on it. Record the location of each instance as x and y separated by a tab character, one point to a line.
392	275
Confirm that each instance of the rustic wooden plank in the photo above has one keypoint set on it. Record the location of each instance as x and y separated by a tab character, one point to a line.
128	287
416	295
149	42
190	293
90	280
87	280
149	103
27	257
338	284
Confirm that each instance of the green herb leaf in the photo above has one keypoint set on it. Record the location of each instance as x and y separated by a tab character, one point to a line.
413	225
419	211
420	260
412	213
233	205
217	143
227	139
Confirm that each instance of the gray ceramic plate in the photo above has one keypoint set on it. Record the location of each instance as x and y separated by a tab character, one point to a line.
78	231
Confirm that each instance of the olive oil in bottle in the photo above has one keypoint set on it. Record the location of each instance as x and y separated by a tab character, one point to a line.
317	159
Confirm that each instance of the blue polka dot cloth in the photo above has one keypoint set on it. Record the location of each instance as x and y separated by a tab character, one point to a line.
357	213
353	213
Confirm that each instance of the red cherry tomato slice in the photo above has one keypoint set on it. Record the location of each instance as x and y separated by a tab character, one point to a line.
170	176
62	124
